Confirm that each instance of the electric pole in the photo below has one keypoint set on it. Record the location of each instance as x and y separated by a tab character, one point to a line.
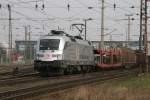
141	24
143	30
85	29
129	29
129	24
25	50
10	34
30	48
102	24
85	24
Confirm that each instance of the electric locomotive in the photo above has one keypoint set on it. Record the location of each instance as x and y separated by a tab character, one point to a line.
61	53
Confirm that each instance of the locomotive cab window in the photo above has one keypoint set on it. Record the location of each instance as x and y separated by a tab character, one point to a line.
49	44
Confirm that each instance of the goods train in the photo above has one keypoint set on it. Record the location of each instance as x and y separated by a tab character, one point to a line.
61	53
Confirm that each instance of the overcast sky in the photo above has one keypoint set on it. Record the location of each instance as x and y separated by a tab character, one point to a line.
56	13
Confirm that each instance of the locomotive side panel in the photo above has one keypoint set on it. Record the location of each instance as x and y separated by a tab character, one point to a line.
69	51
78	54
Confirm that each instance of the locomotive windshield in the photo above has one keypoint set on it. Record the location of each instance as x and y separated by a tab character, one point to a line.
49	44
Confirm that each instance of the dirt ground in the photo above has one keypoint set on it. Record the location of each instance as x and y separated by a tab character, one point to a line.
131	88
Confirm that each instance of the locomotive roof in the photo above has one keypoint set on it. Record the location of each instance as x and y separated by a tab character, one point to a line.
66	38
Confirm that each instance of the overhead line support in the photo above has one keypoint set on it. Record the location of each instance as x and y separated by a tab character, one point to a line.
143	31
102	24
10	34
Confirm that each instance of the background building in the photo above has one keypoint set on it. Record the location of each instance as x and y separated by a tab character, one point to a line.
133	44
26	50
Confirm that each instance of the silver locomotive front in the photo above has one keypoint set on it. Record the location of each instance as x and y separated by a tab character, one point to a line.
49	53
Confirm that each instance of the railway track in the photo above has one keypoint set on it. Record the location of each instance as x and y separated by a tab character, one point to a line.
19	75
23	93
19	79
32	78
25	78
11	75
12	72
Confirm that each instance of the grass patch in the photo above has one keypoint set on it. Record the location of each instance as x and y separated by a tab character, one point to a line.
140	82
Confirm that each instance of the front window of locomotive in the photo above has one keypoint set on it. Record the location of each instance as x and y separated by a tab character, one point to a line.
49	44
50	49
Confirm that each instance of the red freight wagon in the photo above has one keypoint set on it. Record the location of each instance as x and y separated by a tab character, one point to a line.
115	57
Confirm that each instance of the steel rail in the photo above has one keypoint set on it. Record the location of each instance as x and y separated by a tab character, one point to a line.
18	80
34	77
19	75
16	65
3	73
37	90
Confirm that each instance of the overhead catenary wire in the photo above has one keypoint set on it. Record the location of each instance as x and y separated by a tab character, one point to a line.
24	2
73	14
23	15
44	13
78	1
